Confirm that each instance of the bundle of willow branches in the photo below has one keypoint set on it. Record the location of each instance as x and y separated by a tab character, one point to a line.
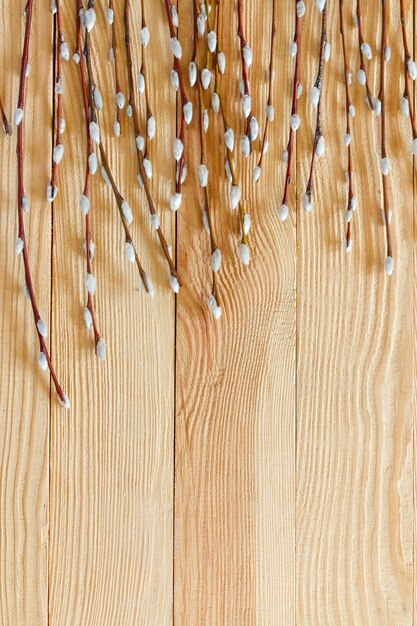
203	72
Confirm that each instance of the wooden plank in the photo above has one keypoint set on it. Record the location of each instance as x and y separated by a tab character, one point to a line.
111	455
355	338
235	437
24	392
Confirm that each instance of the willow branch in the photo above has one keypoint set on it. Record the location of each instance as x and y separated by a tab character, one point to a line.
364	52
410	73
6	124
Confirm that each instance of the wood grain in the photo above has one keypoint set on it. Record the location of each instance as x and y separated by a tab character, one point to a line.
258	470
24	392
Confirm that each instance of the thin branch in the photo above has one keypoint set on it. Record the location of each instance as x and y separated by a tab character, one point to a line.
246	57
119	97
6	124
410	73
364	52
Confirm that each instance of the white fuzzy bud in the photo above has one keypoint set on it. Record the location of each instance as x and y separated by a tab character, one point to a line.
42	361
212	40
175	202
111	54
92	163
178	149
245	145
144	36
19	246
76	58
176	48
206	120
51	193
201	24
92	248
141	83
283	212
348	139
65	403
109	16
147	166
228	170
18	116
347	246
62	126
301	8
326	52
216	260
299	90
246	224
229	137
295	122
175	286
120	100
387	54
192	73
175	81
285	156
155	221
58	153
129	110
214	307
389	212
307	203
353	203
246	105
247	55
64	51
361	77
90	283
88	318
202	175
315	96
405	107
140	142
151	127
235	195
187	111
89	19
320	146
53	7
411	69
270	113
377	107
59	89
221	62
293	49
348	215
366	51
94	132
101	349
320	4
42	329
174	16
253	128
244	253
215	102
130	252
84	204
205	78
389	265
126	212
352	110
116	128
256	174
384	165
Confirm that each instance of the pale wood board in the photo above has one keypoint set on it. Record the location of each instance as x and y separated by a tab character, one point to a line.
254	471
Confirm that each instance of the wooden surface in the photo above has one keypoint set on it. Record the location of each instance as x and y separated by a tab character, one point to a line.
258	470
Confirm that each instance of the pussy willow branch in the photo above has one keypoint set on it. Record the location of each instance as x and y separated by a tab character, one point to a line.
319	85
119	98
351	200
407	61
184	100
44	358
122	205
214	300
269	116
144	71
6	124
244	220
140	154
58	148
361	54
86	192
385	166
244	71
295	119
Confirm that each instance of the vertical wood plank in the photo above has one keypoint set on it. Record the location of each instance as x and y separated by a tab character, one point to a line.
234	487
354	384
111	455
24	392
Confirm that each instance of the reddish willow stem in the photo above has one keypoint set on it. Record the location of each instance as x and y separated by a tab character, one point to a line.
361	55
407	57
383	129
20	201
243	43
203	158
89	150
294	107
120	201
348	135
115	48
6	124
58	40
184	99
140	154
144	72
270	81
319	85
229	154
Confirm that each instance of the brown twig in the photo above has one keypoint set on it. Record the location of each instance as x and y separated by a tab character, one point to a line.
351	200
119	98
22	203
141	155
90	317
251	131
6	124
384	164
295	118
362	43
269	107
407	61
318	142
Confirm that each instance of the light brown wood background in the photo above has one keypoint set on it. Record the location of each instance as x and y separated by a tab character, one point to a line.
254	471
